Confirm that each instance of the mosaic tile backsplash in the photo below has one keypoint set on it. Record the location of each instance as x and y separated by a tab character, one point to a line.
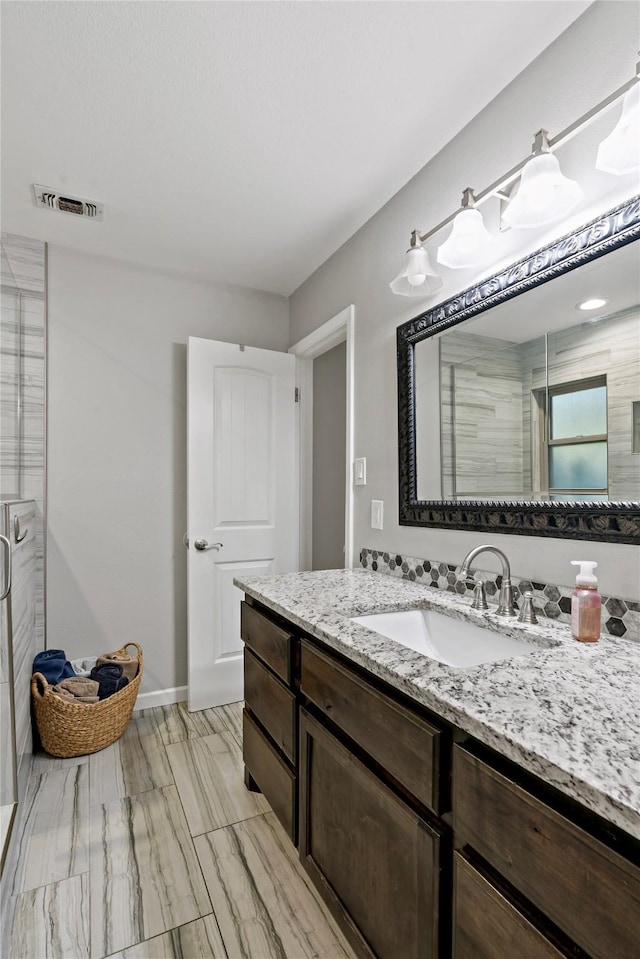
620	617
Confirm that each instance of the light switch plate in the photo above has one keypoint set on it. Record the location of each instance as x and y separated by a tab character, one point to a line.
360	471
377	513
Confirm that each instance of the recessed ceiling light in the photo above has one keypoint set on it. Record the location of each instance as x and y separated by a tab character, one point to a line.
594	304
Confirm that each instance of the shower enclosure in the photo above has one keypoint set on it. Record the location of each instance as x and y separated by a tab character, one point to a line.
22	504
23	387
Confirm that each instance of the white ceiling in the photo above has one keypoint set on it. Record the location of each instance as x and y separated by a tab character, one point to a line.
243	142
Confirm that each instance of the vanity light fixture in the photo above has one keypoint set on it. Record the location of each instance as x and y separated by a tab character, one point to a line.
619	153
469	243
593	304
543	194
418	276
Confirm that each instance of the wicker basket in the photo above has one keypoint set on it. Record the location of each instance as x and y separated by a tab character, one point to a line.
75	729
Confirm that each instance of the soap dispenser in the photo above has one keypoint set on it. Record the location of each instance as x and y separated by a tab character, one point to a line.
586	604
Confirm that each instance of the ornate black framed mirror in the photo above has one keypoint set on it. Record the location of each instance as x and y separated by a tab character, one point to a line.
537	397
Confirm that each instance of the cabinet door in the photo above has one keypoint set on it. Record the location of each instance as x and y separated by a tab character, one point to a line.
270	773
556	864
375	861
400	740
487	925
271	703
272	644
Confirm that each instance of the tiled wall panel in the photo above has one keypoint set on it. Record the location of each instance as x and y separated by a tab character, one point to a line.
620	617
482	415
23	388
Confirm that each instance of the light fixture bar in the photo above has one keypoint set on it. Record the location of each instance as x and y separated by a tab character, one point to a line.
497	188
569	132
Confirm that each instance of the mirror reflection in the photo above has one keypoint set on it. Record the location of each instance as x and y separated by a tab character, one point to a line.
538	398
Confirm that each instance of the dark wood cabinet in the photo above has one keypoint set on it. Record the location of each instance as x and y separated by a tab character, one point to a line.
379	798
486	925
268	640
398	738
589	891
266	768
376	862
272	703
270	717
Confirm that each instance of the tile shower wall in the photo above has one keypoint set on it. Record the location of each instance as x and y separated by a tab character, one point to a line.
481	383
23	387
490	424
620	617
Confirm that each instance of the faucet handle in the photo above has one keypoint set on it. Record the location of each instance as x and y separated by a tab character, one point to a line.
528	613
479	597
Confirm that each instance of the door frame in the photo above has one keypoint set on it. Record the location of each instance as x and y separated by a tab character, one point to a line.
339	329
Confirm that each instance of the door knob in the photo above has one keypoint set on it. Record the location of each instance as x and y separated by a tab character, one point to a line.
202	545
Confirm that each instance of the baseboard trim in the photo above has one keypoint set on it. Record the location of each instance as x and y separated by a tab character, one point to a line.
161	697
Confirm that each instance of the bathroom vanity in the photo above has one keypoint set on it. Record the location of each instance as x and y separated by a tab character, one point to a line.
490	811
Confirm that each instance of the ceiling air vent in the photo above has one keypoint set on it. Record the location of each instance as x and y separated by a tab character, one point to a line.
67	203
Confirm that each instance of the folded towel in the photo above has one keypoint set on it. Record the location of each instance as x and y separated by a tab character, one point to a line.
129	663
83	667
80	690
110	679
53	665
80	687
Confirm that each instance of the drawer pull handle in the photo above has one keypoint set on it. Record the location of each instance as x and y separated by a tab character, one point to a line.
328	706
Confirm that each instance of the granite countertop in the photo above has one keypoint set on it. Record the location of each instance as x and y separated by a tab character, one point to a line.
567	712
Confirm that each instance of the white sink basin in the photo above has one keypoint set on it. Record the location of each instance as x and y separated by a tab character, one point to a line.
452	641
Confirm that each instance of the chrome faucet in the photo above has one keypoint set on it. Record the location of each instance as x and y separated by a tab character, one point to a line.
506	606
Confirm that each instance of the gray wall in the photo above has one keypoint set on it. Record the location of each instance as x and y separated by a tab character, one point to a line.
117	449
329	454
592	58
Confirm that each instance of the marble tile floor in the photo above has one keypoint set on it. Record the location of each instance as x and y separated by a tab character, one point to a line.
154	849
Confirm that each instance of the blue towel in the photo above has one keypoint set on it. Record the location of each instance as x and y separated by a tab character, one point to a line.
53	665
109	678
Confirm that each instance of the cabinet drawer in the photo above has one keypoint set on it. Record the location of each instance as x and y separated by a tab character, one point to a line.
273	776
272	703
589	891
488	926
374	860
270	642
401	741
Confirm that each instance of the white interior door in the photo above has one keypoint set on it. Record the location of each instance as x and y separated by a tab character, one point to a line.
242	499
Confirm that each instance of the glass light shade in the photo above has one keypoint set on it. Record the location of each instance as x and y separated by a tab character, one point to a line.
418	278
469	243
544	194
619	153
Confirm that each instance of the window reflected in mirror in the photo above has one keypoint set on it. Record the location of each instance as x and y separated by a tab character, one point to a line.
575	433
